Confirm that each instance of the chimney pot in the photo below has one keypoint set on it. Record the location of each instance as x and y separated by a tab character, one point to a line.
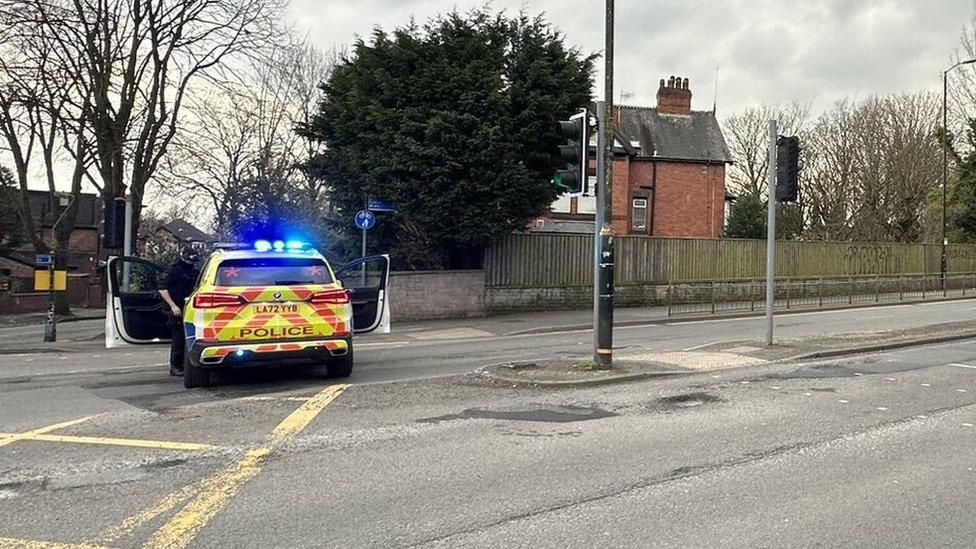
674	96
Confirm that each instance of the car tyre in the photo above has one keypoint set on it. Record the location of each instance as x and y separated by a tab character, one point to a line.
194	376
342	366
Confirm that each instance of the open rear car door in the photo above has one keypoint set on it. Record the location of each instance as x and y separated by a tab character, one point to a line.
366	281
135	313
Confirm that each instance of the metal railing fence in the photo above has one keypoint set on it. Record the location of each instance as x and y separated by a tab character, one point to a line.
749	295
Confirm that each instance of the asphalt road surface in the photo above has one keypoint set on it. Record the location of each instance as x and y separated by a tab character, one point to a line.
874	450
411	353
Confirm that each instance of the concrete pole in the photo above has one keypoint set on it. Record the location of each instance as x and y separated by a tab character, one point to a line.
771	233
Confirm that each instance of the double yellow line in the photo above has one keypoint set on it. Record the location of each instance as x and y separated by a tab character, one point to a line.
214	492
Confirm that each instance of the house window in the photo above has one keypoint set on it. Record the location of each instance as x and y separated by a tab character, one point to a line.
638	214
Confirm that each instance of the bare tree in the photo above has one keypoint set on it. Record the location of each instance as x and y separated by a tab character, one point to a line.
829	170
245	130
747	136
962	85
868	166
43	111
134	62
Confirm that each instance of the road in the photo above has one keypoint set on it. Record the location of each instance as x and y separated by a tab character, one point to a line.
454	347
872	450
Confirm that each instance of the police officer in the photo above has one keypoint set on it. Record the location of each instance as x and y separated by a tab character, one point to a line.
176	285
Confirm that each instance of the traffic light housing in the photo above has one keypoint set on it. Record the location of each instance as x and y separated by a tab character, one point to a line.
573	179
114	223
787	169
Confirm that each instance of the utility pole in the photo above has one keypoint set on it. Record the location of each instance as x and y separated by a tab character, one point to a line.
945	167
771	233
603	307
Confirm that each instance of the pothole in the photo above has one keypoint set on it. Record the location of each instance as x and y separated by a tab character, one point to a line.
553	414
165	464
820	371
687	400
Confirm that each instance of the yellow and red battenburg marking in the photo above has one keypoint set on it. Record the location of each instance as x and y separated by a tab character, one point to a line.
271	312
260	348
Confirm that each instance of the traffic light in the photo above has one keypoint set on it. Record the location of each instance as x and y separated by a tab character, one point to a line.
573	180
787	168
114	217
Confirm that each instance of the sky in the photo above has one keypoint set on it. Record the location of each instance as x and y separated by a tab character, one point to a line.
766	51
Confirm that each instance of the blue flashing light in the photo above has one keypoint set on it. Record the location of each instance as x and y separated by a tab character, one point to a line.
279	246
240	352
262	246
295	245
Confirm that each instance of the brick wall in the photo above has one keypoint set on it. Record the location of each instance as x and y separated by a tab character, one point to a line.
16	268
621	184
82	239
507	300
683	199
421	295
83	291
690	200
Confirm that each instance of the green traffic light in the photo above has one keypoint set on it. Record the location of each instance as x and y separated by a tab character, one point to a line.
557	180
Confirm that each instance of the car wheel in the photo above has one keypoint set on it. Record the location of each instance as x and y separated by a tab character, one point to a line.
194	376
342	366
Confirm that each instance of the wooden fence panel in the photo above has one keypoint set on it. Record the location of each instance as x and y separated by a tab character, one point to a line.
540	260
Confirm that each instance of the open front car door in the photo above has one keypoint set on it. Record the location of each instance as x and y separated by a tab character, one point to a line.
366	281
135	312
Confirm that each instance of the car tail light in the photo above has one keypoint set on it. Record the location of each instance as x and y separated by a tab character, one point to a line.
212	300
329	297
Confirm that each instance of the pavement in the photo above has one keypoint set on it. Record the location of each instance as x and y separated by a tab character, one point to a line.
102	448
26	319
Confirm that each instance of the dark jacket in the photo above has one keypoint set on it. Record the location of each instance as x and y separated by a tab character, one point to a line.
180	279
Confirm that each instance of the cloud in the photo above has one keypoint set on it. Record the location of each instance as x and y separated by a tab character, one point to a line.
766	50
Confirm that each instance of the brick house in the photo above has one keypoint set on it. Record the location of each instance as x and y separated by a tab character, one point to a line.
668	172
84	252
179	232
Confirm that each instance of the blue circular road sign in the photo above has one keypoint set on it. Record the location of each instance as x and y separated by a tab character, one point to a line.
365	219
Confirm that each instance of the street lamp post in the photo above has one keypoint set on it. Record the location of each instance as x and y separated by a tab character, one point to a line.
945	165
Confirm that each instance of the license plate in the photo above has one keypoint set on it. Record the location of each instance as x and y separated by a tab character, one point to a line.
275	308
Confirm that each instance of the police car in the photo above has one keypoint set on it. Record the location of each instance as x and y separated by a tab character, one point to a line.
269	303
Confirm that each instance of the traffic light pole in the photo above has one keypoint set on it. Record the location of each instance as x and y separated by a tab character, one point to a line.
771	233
603	306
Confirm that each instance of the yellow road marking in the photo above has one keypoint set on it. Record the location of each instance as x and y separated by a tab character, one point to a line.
216	491
135	521
34	544
14	437
271	399
140	443
300	418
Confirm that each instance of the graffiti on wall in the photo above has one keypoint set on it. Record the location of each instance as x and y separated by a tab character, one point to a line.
868	259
